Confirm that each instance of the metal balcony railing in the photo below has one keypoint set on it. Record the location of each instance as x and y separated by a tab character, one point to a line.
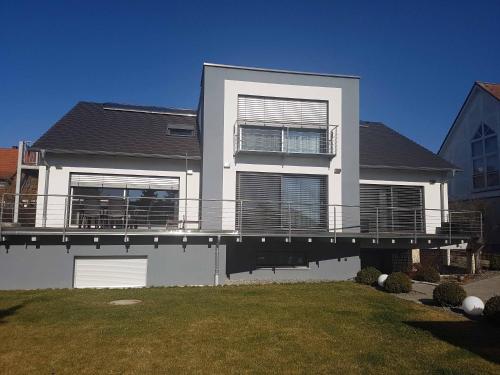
64	213
285	138
29	157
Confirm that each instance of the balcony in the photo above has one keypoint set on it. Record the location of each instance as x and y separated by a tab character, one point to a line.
29	158
69	215
298	139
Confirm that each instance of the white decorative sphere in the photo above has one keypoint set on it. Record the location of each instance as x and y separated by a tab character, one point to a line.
381	279
473	306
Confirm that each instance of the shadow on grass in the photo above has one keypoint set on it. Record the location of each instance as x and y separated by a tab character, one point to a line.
4	313
477	337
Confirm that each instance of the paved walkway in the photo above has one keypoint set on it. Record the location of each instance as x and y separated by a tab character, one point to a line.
484	289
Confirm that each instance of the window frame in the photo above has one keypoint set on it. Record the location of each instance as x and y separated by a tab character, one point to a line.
480	136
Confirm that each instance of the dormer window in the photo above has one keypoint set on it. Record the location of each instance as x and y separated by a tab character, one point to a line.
180	130
485	162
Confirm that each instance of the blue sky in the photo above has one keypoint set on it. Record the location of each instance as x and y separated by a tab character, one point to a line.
417	59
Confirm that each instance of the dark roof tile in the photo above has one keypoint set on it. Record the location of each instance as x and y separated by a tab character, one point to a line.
380	146
121	129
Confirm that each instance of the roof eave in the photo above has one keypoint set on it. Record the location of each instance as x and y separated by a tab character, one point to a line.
114	153
278	71
403	167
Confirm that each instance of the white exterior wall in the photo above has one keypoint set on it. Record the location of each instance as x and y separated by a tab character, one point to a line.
480	107
63	165
278	164
432	191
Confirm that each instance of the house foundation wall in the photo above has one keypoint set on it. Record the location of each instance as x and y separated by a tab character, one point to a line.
50	264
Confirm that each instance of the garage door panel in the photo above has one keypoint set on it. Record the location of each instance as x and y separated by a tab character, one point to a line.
110	272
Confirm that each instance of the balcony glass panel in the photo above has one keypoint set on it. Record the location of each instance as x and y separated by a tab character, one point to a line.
260	138
309	141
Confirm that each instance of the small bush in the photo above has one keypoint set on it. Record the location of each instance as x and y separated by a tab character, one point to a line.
427	273
398	282
492	310
449	293
368	276
495	262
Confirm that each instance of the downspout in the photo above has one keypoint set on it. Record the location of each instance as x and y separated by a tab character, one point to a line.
216	273
46	188
441	194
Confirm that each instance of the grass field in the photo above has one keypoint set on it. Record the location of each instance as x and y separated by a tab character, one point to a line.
293	328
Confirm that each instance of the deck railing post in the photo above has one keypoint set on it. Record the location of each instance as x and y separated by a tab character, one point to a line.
289	222
335	224
44	212
65	218
241	219
415	225
376	223
481	226
2	203
449	225
126	217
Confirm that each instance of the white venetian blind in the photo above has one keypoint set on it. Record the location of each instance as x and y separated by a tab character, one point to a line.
120	181
282	110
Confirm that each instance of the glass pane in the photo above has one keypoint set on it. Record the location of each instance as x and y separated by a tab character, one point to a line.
478	166
304	199
492	179
312	141
490	145
261	139
150	207
478	181
90	206
492	163
488	130
479	133
477	148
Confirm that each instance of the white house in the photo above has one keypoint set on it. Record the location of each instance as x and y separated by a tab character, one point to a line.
273	177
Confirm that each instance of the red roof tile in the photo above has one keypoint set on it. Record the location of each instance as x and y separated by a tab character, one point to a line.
492	88
8	163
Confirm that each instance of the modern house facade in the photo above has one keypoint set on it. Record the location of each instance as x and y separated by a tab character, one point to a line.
472	144
272	178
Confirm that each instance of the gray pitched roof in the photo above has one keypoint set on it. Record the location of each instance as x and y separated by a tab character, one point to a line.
108	128
380	146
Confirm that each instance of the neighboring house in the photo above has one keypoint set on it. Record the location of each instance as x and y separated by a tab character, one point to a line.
472	144
8	170
273	177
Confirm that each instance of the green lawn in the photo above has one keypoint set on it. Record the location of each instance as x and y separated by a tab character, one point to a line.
295	328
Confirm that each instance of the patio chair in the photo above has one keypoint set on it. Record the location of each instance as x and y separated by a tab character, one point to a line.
115	214
92	213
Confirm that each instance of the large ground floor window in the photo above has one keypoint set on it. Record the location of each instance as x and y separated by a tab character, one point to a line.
137	201
281	202
391	208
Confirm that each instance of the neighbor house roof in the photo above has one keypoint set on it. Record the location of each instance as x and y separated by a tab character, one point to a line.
118	129
383	147
8	163
492	88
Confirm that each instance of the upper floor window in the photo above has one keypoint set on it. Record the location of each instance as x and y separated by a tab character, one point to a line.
294	126
485	162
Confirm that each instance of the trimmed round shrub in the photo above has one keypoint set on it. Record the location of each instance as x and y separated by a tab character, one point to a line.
368	276
495	262
492	310
427	273
398	282
449	293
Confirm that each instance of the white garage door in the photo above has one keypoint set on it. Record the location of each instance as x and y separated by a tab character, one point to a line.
110	272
